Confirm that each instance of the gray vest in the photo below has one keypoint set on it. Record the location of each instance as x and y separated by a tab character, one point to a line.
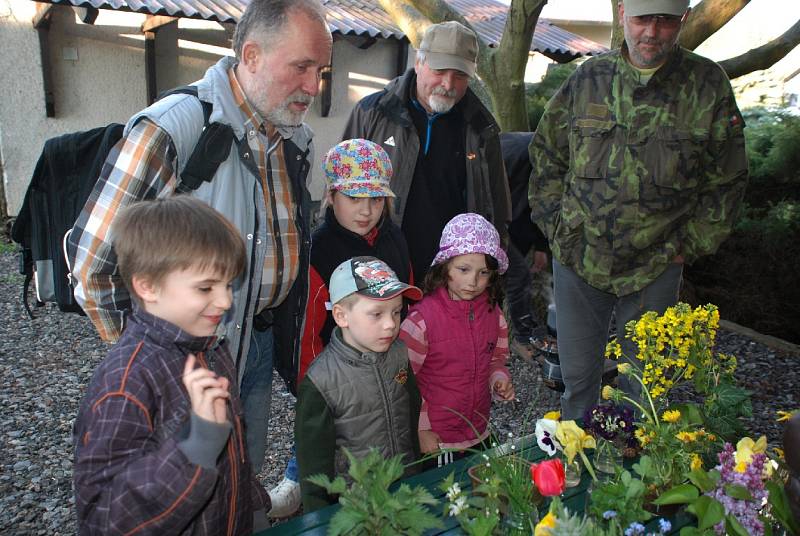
235	190
367	396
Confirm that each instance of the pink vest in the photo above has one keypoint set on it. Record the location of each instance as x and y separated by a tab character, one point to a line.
454	379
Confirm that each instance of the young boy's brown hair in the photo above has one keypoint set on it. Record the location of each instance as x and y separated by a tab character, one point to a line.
199	237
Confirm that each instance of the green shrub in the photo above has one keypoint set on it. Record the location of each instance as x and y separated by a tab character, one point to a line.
773	148
537	95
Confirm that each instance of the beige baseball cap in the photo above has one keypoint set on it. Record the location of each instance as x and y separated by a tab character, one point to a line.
635	8
450	45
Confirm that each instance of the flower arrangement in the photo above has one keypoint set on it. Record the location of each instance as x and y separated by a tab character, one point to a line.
554	435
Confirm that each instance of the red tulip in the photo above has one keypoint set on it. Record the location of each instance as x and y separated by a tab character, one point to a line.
548	477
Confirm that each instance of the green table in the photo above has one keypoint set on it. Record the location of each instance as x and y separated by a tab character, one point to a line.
574	498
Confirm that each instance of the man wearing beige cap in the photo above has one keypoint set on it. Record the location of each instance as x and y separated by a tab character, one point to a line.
639	166
442	141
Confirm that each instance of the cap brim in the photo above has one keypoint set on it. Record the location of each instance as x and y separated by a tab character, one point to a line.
363	191
398	288
658	7
437	60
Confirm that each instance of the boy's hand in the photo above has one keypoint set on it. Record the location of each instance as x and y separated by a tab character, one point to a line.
207	392
504	389
429	441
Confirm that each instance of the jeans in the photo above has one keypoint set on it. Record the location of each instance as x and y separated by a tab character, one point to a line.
583	314
519	294
292	472
256	394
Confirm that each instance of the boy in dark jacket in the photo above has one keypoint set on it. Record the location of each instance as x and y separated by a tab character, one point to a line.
159	445
360	392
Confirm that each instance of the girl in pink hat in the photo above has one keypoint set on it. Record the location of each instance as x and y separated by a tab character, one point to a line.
457	338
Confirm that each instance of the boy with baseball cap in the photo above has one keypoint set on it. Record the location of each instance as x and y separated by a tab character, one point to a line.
360	392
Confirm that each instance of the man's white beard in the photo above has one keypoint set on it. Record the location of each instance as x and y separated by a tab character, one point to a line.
442	101
283	116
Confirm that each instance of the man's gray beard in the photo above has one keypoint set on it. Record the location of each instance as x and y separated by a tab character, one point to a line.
282	116
441	104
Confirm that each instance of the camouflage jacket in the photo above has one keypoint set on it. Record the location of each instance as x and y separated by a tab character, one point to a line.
627	176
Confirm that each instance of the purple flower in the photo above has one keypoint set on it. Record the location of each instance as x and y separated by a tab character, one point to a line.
745	511
634	528
610	421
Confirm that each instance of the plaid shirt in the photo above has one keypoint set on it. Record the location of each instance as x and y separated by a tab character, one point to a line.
129	475
142	166
283	257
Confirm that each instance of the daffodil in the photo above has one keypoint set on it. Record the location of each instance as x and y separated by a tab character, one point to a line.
745	449
608	392
543	527
573	439
671	416
624	368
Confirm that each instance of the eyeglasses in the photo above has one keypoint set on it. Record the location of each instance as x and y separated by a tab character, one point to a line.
668	22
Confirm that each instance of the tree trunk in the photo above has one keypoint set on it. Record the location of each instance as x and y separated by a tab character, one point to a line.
501	68
706	18
505	65
764	56
617	35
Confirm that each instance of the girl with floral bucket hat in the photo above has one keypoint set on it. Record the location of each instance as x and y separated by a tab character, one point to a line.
457	338
355	223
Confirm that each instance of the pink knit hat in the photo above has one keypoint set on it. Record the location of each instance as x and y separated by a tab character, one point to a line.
470	233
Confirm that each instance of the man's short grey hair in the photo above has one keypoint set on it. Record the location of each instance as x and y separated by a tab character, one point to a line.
421	57
263	20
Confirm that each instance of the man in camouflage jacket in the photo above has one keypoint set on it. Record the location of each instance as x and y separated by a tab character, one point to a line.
639	166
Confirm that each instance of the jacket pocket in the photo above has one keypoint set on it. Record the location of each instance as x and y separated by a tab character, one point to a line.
591	148
674	157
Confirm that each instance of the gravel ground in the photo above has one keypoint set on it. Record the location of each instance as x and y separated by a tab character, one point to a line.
46	363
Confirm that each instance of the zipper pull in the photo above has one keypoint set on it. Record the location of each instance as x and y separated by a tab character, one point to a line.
471	313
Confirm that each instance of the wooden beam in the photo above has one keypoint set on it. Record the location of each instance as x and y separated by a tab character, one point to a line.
150	66
42	16
154	22
41	23
87	15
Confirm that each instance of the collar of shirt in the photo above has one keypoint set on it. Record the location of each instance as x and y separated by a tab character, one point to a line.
253	119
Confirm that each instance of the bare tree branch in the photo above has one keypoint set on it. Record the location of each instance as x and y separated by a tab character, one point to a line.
407	17
706	18
764	56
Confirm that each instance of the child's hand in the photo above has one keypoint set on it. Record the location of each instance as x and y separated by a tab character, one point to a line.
207	392
504	389
429	441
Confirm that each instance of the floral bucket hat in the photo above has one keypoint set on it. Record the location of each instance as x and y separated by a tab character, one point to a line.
358	168
470	233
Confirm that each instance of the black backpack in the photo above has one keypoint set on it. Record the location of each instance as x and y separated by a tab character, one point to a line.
65	175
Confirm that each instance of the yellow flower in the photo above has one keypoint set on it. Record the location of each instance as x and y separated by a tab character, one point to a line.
573	439
608	392
784	415
552	415
779	453
624	368
697	462
745	449
686	437
671	416
543	527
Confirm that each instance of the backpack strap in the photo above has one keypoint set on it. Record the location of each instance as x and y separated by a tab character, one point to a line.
211	150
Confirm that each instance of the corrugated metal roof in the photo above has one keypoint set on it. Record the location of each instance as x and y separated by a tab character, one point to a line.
366	17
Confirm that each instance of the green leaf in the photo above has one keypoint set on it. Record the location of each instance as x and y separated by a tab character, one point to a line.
737	491
732	526
705	481
682	494
709	512
644	467
690	413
